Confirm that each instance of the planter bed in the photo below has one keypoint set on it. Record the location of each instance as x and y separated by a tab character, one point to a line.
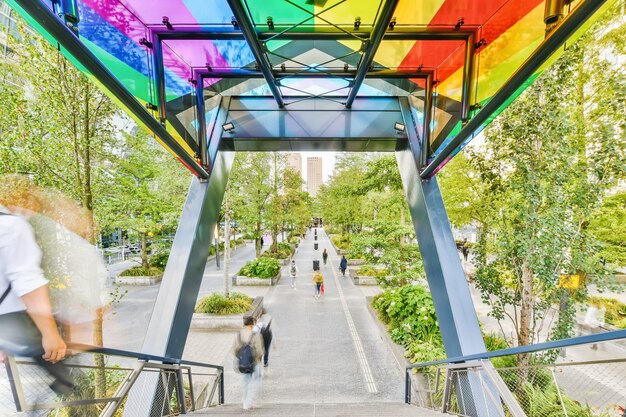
254	281
141	280
356	262
361	279
201	321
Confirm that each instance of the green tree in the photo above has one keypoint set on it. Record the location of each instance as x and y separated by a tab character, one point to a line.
144	190
608	224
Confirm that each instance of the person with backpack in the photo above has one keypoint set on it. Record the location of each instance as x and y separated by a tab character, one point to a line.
325	256
318	281
248	350
293	272
343	265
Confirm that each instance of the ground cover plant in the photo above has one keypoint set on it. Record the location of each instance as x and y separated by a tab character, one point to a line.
263	267
234	303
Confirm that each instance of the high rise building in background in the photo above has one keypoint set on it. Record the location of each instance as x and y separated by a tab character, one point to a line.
294	161
313	174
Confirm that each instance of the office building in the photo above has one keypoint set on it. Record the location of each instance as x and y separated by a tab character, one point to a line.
294	161
313	174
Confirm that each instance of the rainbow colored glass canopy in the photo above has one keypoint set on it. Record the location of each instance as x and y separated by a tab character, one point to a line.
454	54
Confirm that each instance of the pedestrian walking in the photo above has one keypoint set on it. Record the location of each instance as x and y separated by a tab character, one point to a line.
343	265
293	272
318	282
325	256
465	249
261	241
28	326
265	330
248	350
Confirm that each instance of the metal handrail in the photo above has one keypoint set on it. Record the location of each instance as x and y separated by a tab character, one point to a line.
145	363
556	344
139	356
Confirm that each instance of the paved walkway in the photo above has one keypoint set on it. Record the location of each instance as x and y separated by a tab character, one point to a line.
327	351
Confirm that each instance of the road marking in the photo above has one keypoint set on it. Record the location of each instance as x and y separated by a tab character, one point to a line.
358	346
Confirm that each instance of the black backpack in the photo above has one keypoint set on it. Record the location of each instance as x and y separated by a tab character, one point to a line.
246	357
293	270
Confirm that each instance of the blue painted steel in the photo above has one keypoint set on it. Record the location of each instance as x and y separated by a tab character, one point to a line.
451	296
372	46
453	302
169	325
556	344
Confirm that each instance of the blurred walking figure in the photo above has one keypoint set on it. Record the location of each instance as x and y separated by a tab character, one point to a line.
318	281
343	265
28	326
325	256
465	249
264	329
293	272
248	349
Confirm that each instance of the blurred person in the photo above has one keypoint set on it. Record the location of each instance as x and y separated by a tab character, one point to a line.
293	272
248	349
318	282
264	329
325	256
343	265
28	325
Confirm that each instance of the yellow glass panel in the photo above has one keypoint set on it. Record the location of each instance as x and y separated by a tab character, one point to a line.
412	12
344	13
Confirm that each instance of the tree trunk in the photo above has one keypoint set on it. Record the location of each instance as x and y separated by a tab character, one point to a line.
257	240
274	247
144	250
227	244
100	383
524	331
402	220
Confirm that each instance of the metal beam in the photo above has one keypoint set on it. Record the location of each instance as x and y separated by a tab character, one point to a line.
68	40
253	42
377	36
159	75
428	112
201	119
561	34
245	73
398	34
468	78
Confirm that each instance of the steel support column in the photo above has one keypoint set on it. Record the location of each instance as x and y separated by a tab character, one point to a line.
566	28
251	38
173	309
451	296
377	36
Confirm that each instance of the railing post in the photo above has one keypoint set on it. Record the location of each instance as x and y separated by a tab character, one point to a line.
221	386
181	391
191	393
407	387
16	386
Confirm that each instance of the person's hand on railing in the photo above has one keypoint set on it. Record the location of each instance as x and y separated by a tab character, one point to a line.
54	347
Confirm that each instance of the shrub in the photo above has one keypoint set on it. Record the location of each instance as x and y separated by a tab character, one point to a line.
410	313
372	271
615	311
138	271
235	303
284	251
341	241
262	267
159	259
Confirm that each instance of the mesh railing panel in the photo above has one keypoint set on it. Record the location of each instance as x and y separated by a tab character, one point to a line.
585	389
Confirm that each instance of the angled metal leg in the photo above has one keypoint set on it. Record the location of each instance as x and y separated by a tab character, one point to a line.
173	309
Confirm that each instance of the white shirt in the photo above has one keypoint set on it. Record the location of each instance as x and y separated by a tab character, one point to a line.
20	260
